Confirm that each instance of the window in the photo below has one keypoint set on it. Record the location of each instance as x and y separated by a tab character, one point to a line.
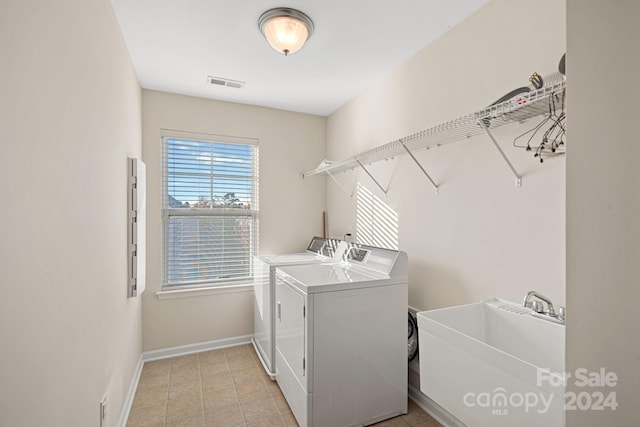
210	212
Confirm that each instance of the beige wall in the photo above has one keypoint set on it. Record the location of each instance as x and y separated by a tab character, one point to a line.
290	207
603	203
69	117
481	236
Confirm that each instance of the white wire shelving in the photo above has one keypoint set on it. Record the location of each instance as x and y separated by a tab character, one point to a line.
518	109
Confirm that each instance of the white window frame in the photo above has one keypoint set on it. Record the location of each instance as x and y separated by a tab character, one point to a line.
202	287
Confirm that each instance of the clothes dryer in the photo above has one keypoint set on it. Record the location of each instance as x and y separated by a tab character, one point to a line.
320	251
341	343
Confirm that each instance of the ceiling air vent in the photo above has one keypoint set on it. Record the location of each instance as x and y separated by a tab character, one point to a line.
221	81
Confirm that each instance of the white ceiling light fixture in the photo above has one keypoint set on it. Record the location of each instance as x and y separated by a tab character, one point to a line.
285	29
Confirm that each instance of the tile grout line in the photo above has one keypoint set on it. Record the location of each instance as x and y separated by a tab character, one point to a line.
166	402
204	417
235	389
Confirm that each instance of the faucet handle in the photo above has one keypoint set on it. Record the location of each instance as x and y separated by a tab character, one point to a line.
562	313
536	306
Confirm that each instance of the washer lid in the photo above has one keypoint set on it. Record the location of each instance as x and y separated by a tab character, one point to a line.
332	277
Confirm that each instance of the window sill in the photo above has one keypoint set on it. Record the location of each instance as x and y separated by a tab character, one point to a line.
196	292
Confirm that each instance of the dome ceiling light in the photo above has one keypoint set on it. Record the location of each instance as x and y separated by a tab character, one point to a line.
285	29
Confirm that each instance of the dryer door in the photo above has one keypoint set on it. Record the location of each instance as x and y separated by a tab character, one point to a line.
290	331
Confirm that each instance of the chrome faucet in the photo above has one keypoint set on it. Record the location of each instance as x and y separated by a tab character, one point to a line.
535	301
536	306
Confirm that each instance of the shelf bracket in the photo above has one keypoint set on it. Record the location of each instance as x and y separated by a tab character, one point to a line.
340	185
371	176
421	168
504	156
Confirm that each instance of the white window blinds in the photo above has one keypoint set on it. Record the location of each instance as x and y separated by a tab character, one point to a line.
210	212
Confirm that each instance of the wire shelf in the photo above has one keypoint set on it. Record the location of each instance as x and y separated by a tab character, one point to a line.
515	110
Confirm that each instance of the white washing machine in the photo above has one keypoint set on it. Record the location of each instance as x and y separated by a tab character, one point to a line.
320	250
341	343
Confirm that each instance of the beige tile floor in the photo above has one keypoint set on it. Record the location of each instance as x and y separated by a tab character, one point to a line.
226	387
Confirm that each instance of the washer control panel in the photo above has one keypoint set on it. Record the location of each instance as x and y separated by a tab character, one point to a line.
357	254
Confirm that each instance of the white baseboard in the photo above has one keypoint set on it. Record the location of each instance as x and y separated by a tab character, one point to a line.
128	401
432	408
181	350
165	353
441	415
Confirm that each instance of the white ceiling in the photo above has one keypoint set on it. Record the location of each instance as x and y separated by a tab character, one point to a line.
176	44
